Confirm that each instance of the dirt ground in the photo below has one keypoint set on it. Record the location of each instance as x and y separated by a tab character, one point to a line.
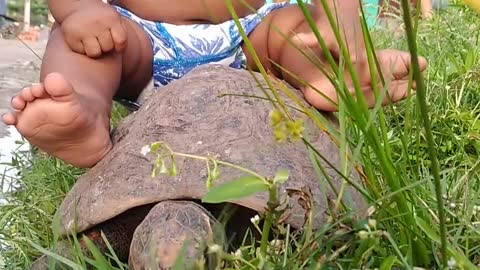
19	67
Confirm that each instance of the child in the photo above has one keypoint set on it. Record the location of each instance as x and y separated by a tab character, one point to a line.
426	6
99	51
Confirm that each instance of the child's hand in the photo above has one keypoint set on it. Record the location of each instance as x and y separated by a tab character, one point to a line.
348	25
94	29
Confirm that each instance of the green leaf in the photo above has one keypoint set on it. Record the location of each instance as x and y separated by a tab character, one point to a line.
281	177
155	146
215	172
173	169
155	167
55	256
163	167
236	189
388	263
180	261
100	261
112	254
56	223
428	229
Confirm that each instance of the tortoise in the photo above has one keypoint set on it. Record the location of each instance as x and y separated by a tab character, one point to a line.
195	115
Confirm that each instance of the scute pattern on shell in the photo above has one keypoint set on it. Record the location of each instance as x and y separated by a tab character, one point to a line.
191	118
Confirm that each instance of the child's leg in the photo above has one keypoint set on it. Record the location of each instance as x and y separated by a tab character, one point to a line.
427	9
67	114
271	45
189	11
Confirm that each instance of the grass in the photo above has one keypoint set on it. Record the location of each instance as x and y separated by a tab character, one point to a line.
390	143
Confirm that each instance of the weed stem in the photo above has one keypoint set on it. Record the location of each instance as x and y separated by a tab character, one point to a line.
272	204
421	97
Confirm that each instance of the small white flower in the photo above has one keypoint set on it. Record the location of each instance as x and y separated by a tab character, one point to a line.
452	264
453	205
255	219
238	253
214	248
363	235
276	243
145	150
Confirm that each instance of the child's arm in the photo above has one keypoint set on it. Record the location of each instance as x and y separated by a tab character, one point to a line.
60	9
185	11
426	7
90	27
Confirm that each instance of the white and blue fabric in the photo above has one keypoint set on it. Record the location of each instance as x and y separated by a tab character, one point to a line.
177	49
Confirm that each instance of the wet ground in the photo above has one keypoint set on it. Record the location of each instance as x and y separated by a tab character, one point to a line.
19	67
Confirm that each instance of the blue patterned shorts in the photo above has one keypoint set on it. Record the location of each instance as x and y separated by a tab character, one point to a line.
177	49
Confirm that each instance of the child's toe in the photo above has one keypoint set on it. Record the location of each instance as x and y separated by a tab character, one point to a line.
18	103
26	94
38	91
9	119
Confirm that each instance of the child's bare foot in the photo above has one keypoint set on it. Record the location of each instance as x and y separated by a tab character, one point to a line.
53	117
395	67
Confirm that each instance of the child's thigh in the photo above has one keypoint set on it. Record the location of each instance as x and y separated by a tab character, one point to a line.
137	61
